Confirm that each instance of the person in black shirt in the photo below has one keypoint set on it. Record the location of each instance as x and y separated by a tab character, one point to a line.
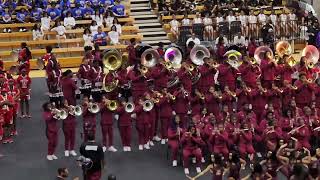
93	151
63	173
313	31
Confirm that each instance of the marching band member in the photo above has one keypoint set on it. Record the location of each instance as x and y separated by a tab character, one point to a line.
125	122
69	87
191	142
268	70
139	81
304	92
249	72
272	134
107	125
152	118
218	140
160	74
83	75
89	118
24	57
302	134
132	56
181	105
69	130
95	76
143	126
7	103
53	72
207	71
287	123
48	55
196	102
15	93
185	74
245	142
175	133
232	126
227	76
212	100
165	114
51	130
24	86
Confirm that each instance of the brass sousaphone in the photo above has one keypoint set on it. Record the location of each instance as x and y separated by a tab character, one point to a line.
259	53
174	55
150	57
284	48
112	60
198	53
233	58
312	55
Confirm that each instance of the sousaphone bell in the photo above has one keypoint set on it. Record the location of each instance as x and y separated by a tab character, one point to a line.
259	53
173	55
198	53
112	60
233	58
150	57
312	55
284	48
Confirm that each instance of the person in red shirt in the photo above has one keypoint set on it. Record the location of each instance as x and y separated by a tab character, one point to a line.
132	59
305	91
252	46
83	76
165	106
268	70
89	118
15	93
7	103
54	73
24	86
48	55
69	130
96	77
24	57
69	87
175	133
219	139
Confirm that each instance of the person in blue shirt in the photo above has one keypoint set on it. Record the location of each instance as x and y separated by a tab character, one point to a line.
100	38
118	9
11	4
22	17
81	2
35	15
77	12
95	3
64	4
54	12
88	11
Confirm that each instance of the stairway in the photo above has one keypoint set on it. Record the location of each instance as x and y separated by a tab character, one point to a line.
148	23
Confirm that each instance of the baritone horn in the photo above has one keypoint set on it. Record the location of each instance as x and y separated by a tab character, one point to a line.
129	107
148	105
93	108
112	60
198	53
312	55
150	57
112	105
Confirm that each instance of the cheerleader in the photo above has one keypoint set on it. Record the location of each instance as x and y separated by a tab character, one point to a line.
292	23
7	103
274	20
15	93
24	86
174	24
208	29
283	24
252	20
244	23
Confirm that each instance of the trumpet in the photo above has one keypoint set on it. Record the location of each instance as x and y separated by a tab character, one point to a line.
172	97
93	108
200	95
148	105
277	89
112	105
59	114
189	68
155	100
75	110
167	65
144	70
158	94
262	90
129	107
233	94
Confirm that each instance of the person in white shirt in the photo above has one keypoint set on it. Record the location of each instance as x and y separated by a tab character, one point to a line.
274	20
225	40
252	20
239	41
284	23
118	26
244	22
194	39
37	33
45	23
292	24
230	18
69	22
174	27
87	38
97	17
113	35
108	19
185	21
60	30
94	28
197	19
219	19
208	28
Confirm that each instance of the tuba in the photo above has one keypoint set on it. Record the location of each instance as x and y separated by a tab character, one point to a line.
259	53
150	57
312	55
148	105
112	60
111	86
233	58
75	110
112	105
129	107
93	108
173	55
284	48
198	53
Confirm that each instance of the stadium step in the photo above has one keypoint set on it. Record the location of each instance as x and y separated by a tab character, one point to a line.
145	17
155	42
145	21
140	9
139	2
139	5
151	30
132	14
149	25
152	34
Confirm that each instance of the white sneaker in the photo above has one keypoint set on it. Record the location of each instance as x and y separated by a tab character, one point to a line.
186	170
9	31
198	169
104	148
112	149
129	149
167	140
125	149
151	143
49	157
146	146
163	141
174	163
54	156
66	153
194	160
203	160
140	147
73	153
156	138
5	30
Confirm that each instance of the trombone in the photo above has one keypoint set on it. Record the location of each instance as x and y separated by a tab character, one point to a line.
172	97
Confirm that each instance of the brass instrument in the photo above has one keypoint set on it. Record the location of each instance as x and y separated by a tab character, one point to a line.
150	57
200	95
189	67
172	97
312	55
148	105
111	86
59	114
233	94
158	94
263	90
233	58
112	105
112	60
144	70
167	65
185	93
215	93
296	129
173	55
259	52
93	108
277	89
284	48
129	107
198	53
75	110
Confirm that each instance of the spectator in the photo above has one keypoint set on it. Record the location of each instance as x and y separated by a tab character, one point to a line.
194	39
114	35
243	18
239	41
230	18
54	12
97	17
100	37
60	30
81	3
118	9
174	24
108	4
69	21
37	33
108	19
64	4
77	12
22	17
45	23
87	11
208	28
94	28
63	173
6	19
185	21
35	15
118	26
87	38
